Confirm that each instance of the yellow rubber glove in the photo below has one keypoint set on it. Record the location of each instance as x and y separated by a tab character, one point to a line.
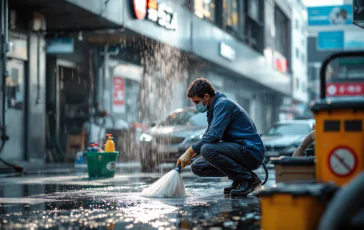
185	159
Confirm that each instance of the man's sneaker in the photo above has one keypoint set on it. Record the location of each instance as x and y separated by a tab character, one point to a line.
245	187
234	185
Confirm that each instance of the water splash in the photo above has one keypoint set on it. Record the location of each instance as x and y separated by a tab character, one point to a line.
164	66
170	185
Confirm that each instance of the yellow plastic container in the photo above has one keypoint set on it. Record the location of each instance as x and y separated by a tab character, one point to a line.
110	145
294	206
339	144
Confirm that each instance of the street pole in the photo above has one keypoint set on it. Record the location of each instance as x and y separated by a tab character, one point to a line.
106	62
5	47
103	82
4	72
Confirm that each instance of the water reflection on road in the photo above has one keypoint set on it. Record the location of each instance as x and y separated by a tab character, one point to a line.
46	201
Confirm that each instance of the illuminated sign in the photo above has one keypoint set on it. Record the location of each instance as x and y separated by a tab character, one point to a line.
280	62
161	14
345	89
330	15
140	8
227	51
60	45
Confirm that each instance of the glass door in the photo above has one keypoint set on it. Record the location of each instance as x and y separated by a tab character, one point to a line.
15	88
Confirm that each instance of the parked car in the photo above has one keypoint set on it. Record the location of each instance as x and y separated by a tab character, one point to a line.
284	137
162	142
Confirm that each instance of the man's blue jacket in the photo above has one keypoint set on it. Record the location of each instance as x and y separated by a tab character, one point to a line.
228	122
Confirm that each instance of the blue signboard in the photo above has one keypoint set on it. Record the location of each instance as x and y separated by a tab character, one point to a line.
338	40
330	40
330	15
354	44
354	40
60	45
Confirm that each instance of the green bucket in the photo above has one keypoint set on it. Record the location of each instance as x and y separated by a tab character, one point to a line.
101	164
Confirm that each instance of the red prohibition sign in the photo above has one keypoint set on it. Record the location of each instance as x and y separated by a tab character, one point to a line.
342	161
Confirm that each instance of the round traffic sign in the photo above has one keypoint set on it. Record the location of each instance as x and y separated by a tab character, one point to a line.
342	161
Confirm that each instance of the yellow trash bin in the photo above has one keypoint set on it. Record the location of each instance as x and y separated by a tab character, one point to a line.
297	206
339	144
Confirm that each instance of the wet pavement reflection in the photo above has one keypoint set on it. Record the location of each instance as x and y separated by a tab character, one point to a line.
74	201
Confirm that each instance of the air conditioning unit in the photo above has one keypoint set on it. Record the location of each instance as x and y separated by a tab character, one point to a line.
358	13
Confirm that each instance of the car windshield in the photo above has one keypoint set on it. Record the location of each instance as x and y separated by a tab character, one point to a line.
186	118
289	129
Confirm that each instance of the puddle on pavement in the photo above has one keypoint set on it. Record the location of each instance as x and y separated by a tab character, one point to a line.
71	201
129	215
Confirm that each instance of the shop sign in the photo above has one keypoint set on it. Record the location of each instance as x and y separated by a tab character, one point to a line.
330	15
60	45
227	51
353	40
119	95
337	40
159	13
330	40
351	61
18	47
345	89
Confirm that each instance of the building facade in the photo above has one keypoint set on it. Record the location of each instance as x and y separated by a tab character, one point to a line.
135	59
299	51
329	33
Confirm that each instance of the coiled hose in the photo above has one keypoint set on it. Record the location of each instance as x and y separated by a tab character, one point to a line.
266	173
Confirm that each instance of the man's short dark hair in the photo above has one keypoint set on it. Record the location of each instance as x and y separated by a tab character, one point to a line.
200	87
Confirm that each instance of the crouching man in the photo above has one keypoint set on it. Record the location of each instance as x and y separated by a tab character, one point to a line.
230	146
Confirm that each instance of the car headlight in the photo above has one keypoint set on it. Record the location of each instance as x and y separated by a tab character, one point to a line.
145	137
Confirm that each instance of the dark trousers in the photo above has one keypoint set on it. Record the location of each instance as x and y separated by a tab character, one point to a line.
225	159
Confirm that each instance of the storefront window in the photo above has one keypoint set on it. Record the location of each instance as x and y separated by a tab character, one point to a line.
205	9
253	9
231	9
297	83
14	92
297	24
186	3
282	33
254	29
132	89
269	25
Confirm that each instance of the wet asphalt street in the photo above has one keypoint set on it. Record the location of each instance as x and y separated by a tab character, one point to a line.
71	201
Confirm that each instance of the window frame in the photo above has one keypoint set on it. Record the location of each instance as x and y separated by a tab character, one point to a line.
297	24
215	11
